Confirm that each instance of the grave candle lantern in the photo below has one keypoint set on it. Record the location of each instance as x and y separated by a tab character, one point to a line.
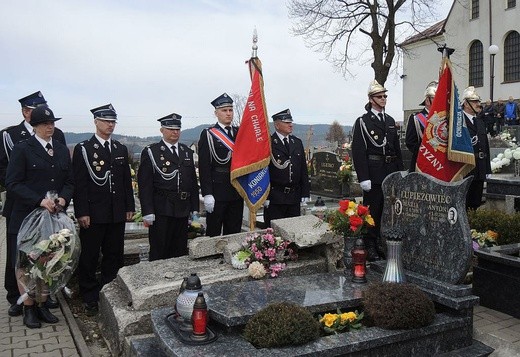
359	260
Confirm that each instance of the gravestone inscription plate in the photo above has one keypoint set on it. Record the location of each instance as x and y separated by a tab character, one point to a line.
432	215
323	173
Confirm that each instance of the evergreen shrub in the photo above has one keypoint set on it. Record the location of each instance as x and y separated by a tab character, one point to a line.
506	225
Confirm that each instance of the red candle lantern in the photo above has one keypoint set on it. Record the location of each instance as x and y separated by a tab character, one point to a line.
199	318
359	260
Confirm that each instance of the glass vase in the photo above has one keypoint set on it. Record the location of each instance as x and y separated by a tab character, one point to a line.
347	252
394	272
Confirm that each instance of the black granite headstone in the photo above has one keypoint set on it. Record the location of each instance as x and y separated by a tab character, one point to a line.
432	215
323	174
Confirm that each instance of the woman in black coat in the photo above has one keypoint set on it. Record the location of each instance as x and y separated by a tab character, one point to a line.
38	165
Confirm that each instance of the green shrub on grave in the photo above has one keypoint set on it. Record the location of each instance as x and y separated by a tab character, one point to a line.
397	306
281	324
506	225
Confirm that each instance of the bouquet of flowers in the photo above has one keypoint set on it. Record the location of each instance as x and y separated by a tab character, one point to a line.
48	253
264	254
350	219
482	240
345	170
195	228
335	323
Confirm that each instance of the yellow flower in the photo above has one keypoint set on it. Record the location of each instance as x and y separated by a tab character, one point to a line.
370	221
328	319
352	205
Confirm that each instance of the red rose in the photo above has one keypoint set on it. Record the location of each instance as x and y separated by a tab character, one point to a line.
346	157
362	210
355	222
343	206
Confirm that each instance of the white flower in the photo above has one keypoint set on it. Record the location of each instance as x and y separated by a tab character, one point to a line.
65	232
237	263
500	156
256	270
516	154
505	161
508	153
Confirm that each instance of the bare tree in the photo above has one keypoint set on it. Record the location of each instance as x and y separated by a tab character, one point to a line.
239	102
360	31
336	133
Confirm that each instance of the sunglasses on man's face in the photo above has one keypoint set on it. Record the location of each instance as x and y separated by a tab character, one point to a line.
380	96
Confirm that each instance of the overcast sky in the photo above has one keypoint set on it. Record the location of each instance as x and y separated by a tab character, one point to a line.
150	58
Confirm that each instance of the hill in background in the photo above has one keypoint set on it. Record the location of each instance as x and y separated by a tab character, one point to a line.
136	144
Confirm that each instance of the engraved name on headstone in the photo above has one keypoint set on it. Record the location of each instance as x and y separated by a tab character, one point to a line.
324	168
432	215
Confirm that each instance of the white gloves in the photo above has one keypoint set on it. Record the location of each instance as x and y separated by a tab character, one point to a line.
366	185
149	219
488	176
209	203
305	200
266	203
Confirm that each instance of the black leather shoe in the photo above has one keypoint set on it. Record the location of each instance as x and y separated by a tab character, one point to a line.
15	310
30	318
91	308
45	315
51	304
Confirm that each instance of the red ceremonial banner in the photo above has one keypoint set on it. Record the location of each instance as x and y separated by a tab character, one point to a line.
445	114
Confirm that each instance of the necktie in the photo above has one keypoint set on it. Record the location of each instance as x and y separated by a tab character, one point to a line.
381	117
229	133
49	149
174	151
286	143
107	149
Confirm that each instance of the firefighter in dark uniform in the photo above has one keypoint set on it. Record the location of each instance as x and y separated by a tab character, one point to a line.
11	136
223	204
287	171
417	123
375	153
38	165
168	191
471	108
103	202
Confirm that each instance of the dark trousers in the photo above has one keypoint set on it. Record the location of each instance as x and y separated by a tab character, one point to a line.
374	199
168	237
474	196
109	239
10	262
277	211
226	218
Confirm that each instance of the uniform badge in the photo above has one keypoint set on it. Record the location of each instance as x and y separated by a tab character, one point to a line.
50	152
376	137
162	157
279	161
164	169
95	155
167	163
101	162
163	148
94	163
96	146
115	146
372	132
98	168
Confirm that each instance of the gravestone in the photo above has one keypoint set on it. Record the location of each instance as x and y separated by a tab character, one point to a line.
323	174
432	215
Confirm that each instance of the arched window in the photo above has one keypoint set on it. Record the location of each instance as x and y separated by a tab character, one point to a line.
476	64
512	57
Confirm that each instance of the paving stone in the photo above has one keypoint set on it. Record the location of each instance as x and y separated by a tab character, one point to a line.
69	352
479	308
488	316
490	327
499	314
481	323
27	351
18	344
5	340
44	341
505	335
508	322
